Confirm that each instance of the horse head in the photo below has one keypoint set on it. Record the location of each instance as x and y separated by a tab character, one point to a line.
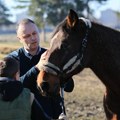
66	55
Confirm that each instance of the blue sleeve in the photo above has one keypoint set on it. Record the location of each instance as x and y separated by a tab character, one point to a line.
29	79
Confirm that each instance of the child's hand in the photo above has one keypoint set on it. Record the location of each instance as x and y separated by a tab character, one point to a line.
42	60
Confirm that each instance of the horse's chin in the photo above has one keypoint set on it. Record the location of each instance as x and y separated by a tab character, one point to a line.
49	93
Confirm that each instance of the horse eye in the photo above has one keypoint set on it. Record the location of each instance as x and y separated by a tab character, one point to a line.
64	45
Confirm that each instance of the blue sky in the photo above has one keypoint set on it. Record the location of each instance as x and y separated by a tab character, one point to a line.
112	4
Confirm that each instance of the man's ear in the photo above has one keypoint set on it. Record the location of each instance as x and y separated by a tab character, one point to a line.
17	76
72	18
19	39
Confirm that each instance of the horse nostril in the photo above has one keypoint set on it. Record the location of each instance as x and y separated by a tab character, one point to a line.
45	86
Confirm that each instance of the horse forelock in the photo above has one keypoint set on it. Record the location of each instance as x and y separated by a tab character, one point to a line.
56	40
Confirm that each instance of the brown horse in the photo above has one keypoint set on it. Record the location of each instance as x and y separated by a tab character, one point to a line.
78	43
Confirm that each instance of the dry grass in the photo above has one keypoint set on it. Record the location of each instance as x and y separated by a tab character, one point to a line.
86	100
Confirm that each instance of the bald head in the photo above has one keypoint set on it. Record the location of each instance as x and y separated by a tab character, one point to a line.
28	34
24	22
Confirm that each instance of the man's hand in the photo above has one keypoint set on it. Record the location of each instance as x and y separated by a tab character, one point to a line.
41	61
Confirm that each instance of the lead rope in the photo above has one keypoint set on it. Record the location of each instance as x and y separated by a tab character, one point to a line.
63	114
43	113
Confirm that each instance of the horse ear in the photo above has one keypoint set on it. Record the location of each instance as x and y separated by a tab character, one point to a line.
72	18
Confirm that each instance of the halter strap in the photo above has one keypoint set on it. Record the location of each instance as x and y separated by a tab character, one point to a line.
49	67
62	101
86	21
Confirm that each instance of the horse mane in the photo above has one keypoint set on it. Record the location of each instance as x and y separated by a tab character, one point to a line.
108	33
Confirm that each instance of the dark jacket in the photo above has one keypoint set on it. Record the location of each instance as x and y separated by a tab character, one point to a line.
28	74
12	95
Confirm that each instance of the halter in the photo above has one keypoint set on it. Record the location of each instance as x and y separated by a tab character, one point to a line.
73	63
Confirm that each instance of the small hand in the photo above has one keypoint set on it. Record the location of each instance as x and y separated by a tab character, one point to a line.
42	60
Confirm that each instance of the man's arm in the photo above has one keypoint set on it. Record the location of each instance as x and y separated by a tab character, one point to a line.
29	79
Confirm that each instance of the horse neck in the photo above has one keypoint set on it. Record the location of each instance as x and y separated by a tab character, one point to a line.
104	45
103	36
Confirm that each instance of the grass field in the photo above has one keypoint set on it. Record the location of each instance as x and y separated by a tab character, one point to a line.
85	102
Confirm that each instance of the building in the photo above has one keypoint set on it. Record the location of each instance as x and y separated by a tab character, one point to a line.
110	18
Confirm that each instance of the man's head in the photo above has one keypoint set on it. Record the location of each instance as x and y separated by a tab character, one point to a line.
9	67
28	34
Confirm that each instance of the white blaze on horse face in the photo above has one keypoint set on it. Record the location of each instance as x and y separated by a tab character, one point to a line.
56	41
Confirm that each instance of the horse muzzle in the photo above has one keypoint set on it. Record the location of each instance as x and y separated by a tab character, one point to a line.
45	86
48	84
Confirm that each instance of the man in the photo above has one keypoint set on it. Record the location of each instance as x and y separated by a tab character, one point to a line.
28	56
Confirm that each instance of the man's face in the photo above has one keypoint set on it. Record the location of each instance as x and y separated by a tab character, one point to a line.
29	36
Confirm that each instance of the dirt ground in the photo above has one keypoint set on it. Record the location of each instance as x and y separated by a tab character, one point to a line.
86	100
